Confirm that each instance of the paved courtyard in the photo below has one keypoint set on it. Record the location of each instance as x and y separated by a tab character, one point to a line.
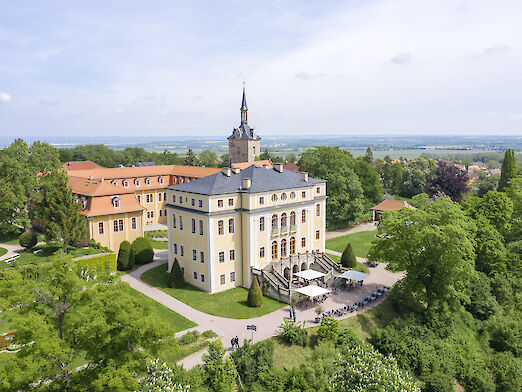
268	324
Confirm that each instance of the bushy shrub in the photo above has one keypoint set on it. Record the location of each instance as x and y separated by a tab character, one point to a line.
250	359
101	263
255	296
483	304
124	256
188	338
142	251
93	244
328	330
439	382
27	239
176	279
293	333
348	259
507	370
505	334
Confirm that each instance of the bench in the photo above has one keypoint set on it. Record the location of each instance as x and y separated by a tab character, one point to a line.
38	251
12	258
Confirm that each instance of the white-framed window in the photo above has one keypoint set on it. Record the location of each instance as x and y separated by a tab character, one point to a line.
262	223
292	195
232	255
161	213
116	202
222	279
194	255
194	275
303	194
202	278
283	196
180	222
150	214
200	227
303	242
175	248
202	256
125	183
232	276
303	216
181	251
149	198
139	198
318	210
221	229
117	225
274	198
134	224
174	199
160	180
193	226
100	228
318	189
147	181
231	226
180	199
230	202
317	234
160	196
200	203
173	221
165	196
193	202
137	182
220	203
221	257
262	252
261	200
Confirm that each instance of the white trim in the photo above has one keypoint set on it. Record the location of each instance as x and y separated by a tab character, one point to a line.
210	256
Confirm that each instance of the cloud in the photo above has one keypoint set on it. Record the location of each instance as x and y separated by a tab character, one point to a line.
401	58
494	50
52	102
5	98
515	117
307	76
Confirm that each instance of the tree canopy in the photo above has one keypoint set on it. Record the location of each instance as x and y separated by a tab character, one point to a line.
508	170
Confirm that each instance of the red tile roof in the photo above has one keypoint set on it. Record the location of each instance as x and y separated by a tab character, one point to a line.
389	204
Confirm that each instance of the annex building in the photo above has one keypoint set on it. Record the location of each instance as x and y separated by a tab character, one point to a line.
224	226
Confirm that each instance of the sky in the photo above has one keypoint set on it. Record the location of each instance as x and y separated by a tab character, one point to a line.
175	68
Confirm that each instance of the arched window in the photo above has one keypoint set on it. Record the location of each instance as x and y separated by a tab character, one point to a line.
147	181
262	223
292	245
283	196
292	218
283	220
231	226
292	195
274	221
283	248
274	250
221	230
318	210
303	216
193	226
274	198
116	202
160	180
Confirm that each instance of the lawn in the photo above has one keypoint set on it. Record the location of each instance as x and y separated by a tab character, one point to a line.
358	267
3	251
176	321
377	317
230	303
157	244
360	241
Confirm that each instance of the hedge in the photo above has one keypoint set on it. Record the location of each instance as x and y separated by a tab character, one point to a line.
101	262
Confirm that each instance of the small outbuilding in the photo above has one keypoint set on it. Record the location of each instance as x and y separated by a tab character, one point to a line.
388	205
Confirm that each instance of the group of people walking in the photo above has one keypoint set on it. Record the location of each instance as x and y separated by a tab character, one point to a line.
292	313
235	343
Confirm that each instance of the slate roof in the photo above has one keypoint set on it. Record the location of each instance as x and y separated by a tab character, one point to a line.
262	180
243	103
244	131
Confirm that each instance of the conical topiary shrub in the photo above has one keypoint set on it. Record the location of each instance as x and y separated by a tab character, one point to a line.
142	251
124	256
176	279
348	259
27	239
255	296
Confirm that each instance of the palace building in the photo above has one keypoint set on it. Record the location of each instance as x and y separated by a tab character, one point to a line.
227	226
244	144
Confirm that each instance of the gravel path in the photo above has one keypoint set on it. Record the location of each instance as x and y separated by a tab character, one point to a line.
352	229
267	325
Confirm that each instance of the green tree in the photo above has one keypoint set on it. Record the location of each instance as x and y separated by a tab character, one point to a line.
176	279
63	316
208	158
291	158
348	259
225	160
434	245
191	159
345	202
251	359
514	192
487	183
508	170
328	330
124	256
370	182
60	211
368	157
392	176
219	371
490	249
416	175
255	296
27	239
142	251
495	206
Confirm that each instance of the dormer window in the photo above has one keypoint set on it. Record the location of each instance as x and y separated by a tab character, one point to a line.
113	182
160	180
125	183
137	181
84	204
147	181
116	202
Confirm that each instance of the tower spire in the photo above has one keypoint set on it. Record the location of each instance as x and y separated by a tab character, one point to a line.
244	107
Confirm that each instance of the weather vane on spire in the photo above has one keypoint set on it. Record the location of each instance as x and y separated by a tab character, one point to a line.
244	83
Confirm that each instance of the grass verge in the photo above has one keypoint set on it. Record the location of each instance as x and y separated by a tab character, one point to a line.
3	251
230	303
361	242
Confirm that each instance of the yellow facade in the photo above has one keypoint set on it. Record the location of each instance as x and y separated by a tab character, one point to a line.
102	228
236	232
153	200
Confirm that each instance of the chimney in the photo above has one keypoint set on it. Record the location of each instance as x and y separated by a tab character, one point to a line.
304	176
236	170
101	179
247	182
278	167
226	171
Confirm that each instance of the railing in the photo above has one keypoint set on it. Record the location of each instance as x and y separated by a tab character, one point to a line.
284	229
293	227
275	231
281	278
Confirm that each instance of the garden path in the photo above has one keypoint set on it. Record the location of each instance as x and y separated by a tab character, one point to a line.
267	325
350	230
11	250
